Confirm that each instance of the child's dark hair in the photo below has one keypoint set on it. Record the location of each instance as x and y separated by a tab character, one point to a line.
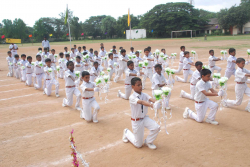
198	63
205	72
40	49
114	46
134	80
78	57
47	60
231	50
69	62
129	62
186	52
8	52
53	50
67	55
149	47
38	56
110	54
79	47
29	57
16	55
23	55
72	48
239	60
182	47
158	66
65	48
146	49
131	48
85	73
102	47
45	49
84	53
123	50
61	54
95	52
211	51
95	63
91	49
162	49
74	45
136	52
84	47
101	43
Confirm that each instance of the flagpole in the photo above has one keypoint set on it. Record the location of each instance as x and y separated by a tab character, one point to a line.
69	27
130	29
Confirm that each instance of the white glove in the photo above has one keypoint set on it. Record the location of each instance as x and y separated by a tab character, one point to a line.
221	93
96	89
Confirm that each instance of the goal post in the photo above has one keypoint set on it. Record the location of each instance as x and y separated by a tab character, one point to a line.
172	33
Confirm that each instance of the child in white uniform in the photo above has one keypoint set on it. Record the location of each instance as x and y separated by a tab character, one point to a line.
50	78
122	64
10	60
62	65
98	59
23	67
84	50
45	54
16	61
137	60
111	65
71	89
39	65
148	71
187	63
231	62
211	62
102	54
72	54
29	71
66	51
139	103
13	48
95	71
67	59
52	58
79	52
78	64
132	51
115	56
241	75
88	99
181	59
159	81
130	74
196	76
202	103
40	51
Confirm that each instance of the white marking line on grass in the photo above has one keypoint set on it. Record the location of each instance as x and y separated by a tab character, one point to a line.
11	84
6	80
14	90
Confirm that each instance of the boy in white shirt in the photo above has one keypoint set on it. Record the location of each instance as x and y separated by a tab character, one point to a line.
122	64
231	62
102	45
13	48
187	63
98	59
115	56
72	54
132	51
62	65
137	60
40	51
202	103
79	52
130	74
10	60
23	67
84	49
78	64
91	54
71	89
148	71
95	71
114	48
16	62
196	76
241	75
211	62
52	57
111	65
162	61
29	71
181	59
88	99
75	49
103	54
45	54
150	53
65	51
50	73
159	81
86	61
67	59
39	65
139	103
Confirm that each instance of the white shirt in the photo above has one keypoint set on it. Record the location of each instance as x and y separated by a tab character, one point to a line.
132	53
211	61
79	68
240	75
115	57
138	110
52	58
68	80
150	63
13	49
66	52
101	49
111	63
196	76
181	56
150	53
102	53
85	51
72	55
123	64
45	56
39	53
79	54
186	62
52	74
230	64
95	71
128	78
37	69
15	63
91	55
156	80
24	63
29	68
75	50
200	86
137	60
61	63
98	59
45	44
10	60
85	85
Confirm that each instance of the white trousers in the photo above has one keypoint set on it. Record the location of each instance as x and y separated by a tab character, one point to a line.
120	72
39	79
29	79
180	68
192	92
10	73
111	73
105	63
201	109
49	84
148	73
128	89
61	73
136	138
17	73
186	73
69	94
23	72
87	105
218	69
228	74
240	90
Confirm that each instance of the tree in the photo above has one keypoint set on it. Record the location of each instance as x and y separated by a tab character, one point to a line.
16	29
108	26
75	27
42	29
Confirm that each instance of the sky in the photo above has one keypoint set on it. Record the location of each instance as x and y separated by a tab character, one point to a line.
31	10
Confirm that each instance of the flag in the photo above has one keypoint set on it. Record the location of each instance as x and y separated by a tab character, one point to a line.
137	31
152	30
82	34
124	32
30	35
66	16
128	18
67	34
50	35
3	36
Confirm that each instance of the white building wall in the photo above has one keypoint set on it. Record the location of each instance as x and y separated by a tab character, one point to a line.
140	34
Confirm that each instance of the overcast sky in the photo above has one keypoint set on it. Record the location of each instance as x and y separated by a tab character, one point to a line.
32	10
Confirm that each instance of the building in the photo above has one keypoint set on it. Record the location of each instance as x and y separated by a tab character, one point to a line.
212	26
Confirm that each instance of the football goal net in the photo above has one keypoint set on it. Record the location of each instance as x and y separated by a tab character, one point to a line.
180	33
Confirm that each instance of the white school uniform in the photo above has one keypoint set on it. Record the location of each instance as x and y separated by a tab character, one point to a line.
62	67
240	88
181	62
50	80
211	64
44	56
91	55
29	72
131	53
81	68
66	53
17	68
75	50
115	57
111	64
103	54
53	60
85	51
13	48
128	87
73	55
71	90
196	76
39	53
122	66
202	103
39	75
10	65
94	73
136	61
140	111
148	71
46	44
186	70
23	71
230	66
89	102
79	54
